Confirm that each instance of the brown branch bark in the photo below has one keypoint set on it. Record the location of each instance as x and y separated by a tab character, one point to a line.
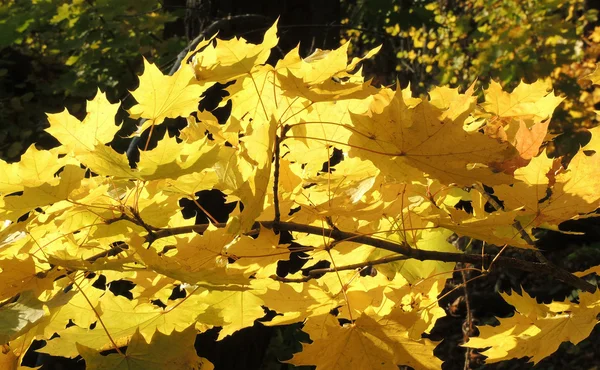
405	250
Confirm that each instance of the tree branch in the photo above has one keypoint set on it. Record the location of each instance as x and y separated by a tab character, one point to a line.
406	250
559	273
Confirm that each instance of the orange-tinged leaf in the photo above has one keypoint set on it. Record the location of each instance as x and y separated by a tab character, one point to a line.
403	142
528	143
594	77
572	192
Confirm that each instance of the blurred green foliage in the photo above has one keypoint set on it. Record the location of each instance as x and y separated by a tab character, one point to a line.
56	53
456	42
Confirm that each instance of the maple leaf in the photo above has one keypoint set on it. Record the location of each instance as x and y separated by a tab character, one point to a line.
123	318
257	256
20	274
98	126
526	101
366	344
403	142
413	271
13	207
18	316
235	310
346	347
572	192
36	167
72	307
297	303
249	180
13	352
161	96
537	333
201	259
497	227
593	77
158	354
231	59
527	142
172	160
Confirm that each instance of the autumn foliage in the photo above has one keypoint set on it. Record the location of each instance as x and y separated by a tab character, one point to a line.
387	208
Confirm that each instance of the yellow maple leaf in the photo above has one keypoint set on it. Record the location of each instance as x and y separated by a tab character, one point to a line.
235	309
161	96
366	344
199	260
257	256
537	332
295	303
123	318
171	159
14	207
98	126
231	59
572	192
532	101
496	228
413	270
20	273
157	354
19	316
35	168
252	187
404	142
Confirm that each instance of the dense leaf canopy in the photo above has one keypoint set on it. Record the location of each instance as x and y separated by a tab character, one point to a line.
388	207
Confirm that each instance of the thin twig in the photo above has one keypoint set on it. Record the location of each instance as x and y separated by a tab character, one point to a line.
559	273
468	319
277	217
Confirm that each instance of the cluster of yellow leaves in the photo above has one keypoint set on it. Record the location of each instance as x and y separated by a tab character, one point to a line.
407	162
